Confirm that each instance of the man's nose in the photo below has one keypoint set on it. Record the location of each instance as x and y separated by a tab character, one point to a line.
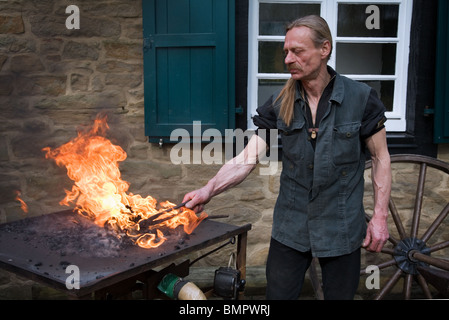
288	58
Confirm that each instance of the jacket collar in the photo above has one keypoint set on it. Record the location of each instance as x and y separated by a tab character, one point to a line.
337	92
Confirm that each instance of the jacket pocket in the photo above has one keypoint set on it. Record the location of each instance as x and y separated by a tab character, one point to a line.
346	143
293	139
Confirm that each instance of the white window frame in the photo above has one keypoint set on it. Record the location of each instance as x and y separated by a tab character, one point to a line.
329	11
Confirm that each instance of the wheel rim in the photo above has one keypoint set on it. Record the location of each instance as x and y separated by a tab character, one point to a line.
410	253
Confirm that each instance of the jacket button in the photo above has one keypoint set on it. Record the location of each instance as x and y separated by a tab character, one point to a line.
344	173
348	134
311	166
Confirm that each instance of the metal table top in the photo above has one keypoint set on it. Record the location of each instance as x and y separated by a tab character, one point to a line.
41	248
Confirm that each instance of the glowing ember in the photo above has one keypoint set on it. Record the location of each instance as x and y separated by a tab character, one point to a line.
99	193
23	205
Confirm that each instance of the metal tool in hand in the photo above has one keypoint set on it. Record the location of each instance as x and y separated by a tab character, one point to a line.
157	215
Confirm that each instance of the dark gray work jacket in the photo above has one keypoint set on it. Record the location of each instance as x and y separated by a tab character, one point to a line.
320	202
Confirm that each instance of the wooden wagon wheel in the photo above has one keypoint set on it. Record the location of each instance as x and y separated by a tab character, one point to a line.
416	250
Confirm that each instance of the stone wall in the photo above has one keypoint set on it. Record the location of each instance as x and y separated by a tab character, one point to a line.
54	81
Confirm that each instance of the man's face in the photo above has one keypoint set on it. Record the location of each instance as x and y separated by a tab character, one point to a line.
302	58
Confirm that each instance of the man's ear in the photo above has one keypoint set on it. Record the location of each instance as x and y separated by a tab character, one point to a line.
326	49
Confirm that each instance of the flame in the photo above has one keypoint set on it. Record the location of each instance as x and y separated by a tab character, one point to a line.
92	162
23	205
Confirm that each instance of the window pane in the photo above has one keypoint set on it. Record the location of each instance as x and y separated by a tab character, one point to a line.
352	21
267	88
274	17
271	57
366	58
385	91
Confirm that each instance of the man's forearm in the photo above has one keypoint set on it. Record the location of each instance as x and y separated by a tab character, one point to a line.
238	168
228	176
377	232
381	177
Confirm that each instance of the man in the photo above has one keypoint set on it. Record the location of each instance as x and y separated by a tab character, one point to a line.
326	121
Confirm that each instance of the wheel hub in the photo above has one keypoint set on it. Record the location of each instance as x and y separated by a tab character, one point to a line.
403	254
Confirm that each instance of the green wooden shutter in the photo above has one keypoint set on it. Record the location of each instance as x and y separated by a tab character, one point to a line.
188	65
441	134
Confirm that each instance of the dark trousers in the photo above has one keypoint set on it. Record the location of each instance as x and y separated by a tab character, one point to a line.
286	268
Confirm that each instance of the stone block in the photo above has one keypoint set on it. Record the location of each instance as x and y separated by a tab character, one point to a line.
9	184
11	24
115	66
41	85
79	82
6	85
81	51
3	59
128	80
119	9
47	26
83	103
123	50
11	44
27	146
132	168
4	153
51	45
26	63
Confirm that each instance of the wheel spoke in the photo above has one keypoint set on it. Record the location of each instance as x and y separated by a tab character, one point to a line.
397	220
387	251
408	286
423	284
418	200
438	278
426	236
381	266
439	246
440	263
387	264
389	285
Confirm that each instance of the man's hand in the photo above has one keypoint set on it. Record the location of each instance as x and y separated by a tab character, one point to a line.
376	235
198	198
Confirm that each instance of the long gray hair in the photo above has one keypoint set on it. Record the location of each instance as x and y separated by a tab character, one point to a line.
320	34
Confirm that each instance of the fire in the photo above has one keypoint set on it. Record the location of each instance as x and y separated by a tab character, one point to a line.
92	162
